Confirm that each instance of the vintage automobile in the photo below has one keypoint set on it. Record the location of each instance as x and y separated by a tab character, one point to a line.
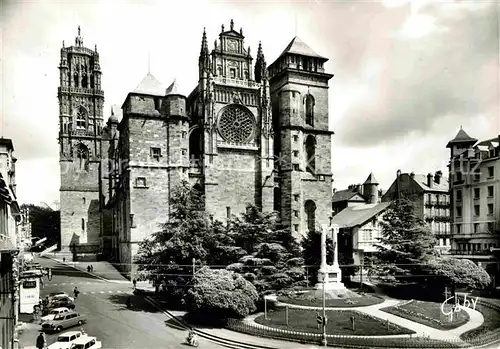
66	339
86	343
63	321
52	313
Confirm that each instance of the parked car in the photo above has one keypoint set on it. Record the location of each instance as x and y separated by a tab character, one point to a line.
52	313
61	302
63	321
66	339
86	343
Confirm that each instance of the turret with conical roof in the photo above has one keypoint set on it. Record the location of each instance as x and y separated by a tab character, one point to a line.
370	189
462	138
175	102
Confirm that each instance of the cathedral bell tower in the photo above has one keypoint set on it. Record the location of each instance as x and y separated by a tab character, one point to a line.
231	122
81	103
299	90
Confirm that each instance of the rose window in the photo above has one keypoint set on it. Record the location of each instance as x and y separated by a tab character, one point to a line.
236	125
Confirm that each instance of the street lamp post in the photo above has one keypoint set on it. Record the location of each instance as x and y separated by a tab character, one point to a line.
324	342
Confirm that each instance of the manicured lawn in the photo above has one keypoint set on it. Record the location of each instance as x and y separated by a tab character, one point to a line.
310	300
429	314
339	322
491	322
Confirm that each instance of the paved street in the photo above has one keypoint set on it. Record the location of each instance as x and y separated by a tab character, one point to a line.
108	318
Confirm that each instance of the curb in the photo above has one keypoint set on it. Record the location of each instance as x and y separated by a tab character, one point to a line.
229	343
86	272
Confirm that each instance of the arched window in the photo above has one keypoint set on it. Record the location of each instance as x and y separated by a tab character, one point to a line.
311	154
75	79
195	146
84	200
81	118
84	81
82	156
309	102
310	209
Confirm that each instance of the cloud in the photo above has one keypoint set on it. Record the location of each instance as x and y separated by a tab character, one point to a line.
427	77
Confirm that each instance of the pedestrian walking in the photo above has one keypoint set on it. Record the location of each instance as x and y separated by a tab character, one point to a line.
49	274
64	259
40	341
91	268
41	282
135	283
76	292
88	268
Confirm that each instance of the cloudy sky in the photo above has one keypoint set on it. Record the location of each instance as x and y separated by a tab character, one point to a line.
407	75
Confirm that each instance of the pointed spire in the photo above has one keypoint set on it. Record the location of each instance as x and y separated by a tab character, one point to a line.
204	43
259	50
232	24
173	89
112	111
371	179
260	65
63	44
79	31
241	31
95	48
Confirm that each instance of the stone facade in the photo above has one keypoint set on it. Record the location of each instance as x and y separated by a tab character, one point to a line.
221	137
299	93
80	126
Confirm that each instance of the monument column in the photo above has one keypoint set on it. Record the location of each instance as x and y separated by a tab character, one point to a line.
329	276
335	231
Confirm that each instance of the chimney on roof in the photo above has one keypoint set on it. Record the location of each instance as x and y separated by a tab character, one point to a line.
359	189
429	180
412	175
437	177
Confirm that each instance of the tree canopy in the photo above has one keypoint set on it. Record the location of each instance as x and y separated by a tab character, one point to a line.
457	272
222	294
405	246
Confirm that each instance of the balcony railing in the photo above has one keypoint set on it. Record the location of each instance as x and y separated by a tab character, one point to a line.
81	90
235	82
471	253
82	133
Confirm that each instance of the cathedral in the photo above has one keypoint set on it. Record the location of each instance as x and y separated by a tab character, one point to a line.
247	134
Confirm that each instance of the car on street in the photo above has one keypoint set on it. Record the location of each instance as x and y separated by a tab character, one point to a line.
86	343
59	294
64	340
52	313
62	321
61	302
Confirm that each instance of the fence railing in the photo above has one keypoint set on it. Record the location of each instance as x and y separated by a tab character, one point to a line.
342	340
367	341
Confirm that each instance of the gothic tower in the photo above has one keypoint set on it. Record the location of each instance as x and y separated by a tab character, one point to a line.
231	127
80	125
299	94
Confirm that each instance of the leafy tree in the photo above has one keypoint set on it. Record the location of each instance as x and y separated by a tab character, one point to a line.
166	256
255	227
222	294
406	244
45	223
457	273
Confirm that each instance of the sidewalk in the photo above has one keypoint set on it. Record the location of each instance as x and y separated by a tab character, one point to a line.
102	269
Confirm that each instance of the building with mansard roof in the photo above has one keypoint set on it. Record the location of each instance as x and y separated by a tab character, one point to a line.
246	134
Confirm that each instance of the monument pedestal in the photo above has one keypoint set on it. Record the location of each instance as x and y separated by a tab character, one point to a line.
331	276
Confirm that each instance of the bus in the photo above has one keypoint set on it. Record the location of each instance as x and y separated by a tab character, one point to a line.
29	291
